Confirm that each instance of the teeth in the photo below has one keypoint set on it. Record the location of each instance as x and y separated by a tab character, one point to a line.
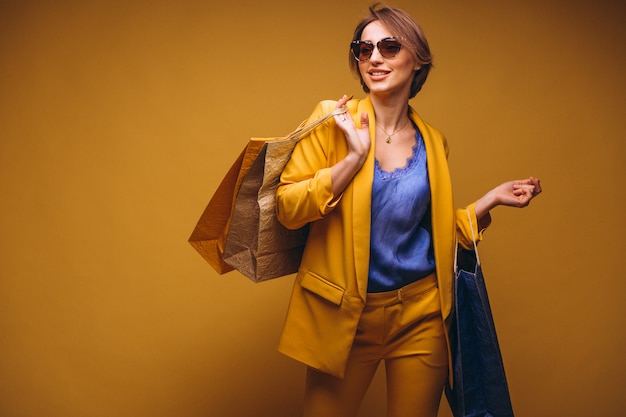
378	73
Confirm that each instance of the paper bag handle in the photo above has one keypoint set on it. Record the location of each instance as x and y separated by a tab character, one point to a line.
305	129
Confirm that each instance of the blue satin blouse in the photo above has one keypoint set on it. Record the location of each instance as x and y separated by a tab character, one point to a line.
400	248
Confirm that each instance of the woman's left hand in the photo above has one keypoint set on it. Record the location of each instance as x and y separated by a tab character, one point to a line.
516	193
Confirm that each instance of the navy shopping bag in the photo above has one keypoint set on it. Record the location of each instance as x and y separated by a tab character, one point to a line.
479	388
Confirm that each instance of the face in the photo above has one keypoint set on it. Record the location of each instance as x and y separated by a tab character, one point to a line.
385	76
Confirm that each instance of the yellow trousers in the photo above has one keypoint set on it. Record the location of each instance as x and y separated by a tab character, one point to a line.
405	329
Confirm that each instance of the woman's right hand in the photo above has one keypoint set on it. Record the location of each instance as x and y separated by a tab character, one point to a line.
358	139
359	142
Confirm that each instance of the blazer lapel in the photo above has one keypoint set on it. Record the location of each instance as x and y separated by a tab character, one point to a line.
361	203
442	210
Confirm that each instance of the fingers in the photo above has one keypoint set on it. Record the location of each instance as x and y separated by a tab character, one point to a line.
341	103
532	184
537	184
357	137
365	120
525	190
343	100
523	187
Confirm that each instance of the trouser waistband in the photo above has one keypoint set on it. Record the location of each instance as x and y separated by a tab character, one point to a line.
377	299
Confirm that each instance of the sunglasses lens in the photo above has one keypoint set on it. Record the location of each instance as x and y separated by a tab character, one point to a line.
362	51
389	47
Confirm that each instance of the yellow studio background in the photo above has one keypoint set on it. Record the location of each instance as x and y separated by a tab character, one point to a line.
119	119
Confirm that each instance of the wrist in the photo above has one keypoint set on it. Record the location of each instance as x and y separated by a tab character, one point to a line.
355	160
485	204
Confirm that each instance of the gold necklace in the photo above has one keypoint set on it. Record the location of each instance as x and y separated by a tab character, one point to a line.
390	135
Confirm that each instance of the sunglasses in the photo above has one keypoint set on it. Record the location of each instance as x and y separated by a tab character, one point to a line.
362	50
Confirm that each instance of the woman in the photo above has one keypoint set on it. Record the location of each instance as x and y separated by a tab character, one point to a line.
375	282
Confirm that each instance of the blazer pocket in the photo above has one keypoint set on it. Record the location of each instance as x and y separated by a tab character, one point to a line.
322	287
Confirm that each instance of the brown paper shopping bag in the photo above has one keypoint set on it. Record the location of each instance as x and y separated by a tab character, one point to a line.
239	229
209	235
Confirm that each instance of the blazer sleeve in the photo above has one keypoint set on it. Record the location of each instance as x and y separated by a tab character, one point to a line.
467	227
304	193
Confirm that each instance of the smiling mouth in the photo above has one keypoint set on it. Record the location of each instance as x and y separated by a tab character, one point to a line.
378	73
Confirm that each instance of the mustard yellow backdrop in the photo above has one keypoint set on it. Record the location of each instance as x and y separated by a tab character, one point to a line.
119	118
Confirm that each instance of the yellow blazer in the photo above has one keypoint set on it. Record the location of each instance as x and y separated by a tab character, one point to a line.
331	284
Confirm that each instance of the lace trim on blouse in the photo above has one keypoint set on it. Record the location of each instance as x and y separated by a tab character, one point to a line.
411	163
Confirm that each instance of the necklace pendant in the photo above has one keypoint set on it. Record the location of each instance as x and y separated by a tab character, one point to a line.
388	140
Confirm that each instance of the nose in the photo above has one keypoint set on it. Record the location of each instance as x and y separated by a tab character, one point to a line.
376	56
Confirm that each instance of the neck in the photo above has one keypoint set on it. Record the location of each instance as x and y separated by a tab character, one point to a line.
390	107
390	115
